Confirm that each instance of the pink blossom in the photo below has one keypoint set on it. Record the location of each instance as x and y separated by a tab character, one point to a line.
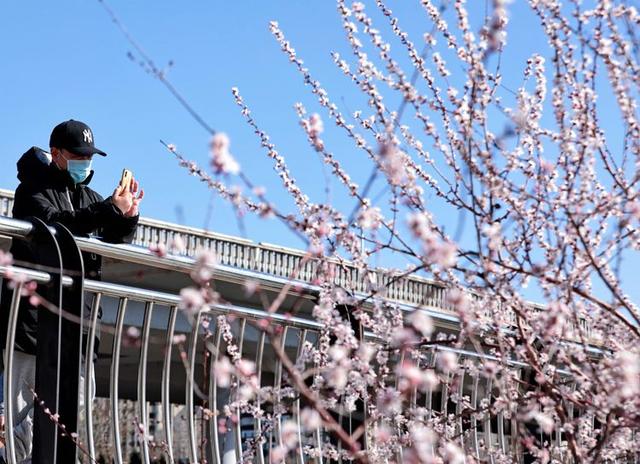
177	244
204	267
222	161
315	124
634	209
191	300
6	258
338	353
365	352
403	336
629	363
222	426
15	278
357	7
493	232
159	249
389	402
422	323
222	370
447	361
133	332
546	166
369	218
382	433
278	454
423	439
310	419
247	392
393	163
179	339
250	287
436	250
289	434
490	369
29	288
452	453
338	377
445	254
545	422
458	299
246	368
412	376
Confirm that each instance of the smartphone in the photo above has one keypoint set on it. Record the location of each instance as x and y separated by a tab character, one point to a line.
125	180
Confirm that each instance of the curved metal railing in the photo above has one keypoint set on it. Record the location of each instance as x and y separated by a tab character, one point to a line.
204	344
278	261
275	263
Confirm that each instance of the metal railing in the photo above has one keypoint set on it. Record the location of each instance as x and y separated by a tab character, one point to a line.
280	261
274	261
157	315
168	372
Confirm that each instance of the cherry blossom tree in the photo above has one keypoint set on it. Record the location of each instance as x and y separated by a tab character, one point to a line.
547	203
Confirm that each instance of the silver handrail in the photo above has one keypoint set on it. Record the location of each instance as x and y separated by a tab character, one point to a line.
15	227
31	275
88	375
274	260
432	298
300	453
142	380
113	390
473	419
183	264
126	294
213	398
8	366
191	369
166	383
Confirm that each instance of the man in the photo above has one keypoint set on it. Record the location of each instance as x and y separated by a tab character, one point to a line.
54	188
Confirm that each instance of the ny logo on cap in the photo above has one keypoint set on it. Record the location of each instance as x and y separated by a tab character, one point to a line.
87	136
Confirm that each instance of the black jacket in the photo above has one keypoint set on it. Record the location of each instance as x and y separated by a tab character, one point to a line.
50	194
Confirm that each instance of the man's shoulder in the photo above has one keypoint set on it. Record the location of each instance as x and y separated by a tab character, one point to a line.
32	188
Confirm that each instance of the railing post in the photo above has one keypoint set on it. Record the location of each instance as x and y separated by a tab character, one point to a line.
70	353
45	436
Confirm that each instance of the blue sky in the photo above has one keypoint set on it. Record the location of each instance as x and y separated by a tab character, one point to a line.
66	59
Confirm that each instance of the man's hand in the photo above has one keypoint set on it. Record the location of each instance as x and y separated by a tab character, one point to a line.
125	198
135	201
122	199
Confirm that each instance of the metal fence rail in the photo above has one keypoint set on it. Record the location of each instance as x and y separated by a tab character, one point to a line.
188	360
279	261
167	371
237	254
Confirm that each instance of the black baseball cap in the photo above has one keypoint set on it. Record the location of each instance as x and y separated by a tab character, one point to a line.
74	136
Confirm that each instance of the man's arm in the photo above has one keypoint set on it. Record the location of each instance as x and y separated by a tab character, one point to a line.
81	221
120	230
126	203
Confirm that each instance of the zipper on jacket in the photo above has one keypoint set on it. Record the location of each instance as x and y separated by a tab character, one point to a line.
69	198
